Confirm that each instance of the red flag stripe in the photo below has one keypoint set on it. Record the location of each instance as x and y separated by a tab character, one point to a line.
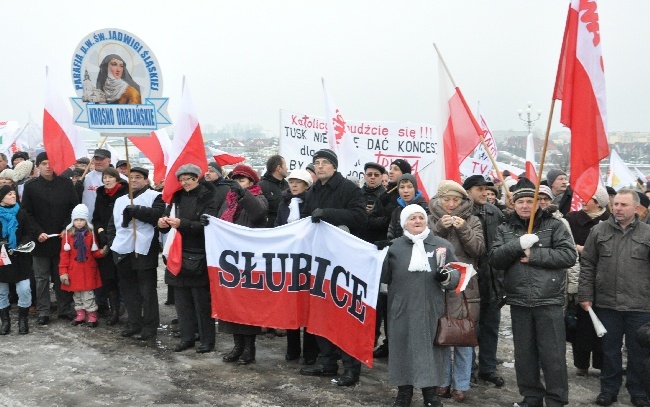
60	152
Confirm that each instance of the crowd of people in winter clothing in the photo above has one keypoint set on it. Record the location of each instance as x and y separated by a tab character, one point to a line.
82	234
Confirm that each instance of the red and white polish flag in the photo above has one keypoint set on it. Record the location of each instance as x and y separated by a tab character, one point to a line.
302	274
61	140
224	158
531	172
156	147
186	147
461	131
580	84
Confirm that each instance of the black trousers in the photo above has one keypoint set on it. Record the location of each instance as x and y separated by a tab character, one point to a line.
194	313
382	315
309	344
328	357
138	289
539	338
587	346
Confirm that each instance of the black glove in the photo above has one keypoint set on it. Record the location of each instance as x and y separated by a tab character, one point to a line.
129	211
381	244
441	275
125	222
204	220
237	190
317	215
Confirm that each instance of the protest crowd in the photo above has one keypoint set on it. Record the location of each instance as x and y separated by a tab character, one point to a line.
81	235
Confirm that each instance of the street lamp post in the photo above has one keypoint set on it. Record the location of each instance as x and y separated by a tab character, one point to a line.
529	121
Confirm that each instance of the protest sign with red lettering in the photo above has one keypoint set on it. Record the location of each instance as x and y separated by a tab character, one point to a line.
382	142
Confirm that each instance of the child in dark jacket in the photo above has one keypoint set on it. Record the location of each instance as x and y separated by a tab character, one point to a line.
78	268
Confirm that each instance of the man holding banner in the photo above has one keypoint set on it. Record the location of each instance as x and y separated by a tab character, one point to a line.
338	202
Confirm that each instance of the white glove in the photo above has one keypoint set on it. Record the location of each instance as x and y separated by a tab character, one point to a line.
527	241
64	279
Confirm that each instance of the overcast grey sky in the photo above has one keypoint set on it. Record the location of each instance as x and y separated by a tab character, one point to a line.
244	60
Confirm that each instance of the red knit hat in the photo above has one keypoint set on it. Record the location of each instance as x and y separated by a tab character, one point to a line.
245	171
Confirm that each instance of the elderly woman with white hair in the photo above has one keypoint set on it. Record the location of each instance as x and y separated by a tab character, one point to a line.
416	284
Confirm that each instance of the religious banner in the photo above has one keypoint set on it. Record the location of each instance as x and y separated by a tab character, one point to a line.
301	135
303	274
118	82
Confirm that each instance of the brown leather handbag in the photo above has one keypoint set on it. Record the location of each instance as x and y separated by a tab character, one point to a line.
456	331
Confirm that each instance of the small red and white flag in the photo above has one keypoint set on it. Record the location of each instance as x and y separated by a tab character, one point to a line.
576	203
61	140
466	273
173	248
531	172
187	145
339	139
156	148
580	84
224	158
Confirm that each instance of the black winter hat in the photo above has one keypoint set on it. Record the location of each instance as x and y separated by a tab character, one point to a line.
4	191
403	165
327	154
20	154
40	158
524	188
476	181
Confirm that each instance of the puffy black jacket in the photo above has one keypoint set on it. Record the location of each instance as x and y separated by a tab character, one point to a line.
104	209
542	280
50	204
341	201
395	228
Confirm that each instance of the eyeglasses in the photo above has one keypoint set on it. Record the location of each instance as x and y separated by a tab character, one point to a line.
322	163
544	199
373	174
186	179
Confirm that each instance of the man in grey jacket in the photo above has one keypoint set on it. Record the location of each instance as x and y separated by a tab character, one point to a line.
615	280
534	281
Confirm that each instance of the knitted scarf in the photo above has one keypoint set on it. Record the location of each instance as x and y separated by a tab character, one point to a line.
419	259
234	209
9	223
112	191
80	243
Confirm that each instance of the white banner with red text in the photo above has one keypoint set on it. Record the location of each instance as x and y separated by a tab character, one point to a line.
382	142
303	274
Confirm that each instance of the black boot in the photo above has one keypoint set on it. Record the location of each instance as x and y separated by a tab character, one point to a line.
248	356
430	397
404	396
6	321
114	305
236	352
23	320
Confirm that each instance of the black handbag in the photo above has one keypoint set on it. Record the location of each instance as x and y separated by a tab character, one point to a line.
193	263
456	331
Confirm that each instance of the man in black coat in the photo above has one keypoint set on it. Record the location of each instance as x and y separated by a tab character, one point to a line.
49	200
339	202
273	183
490	282
137	260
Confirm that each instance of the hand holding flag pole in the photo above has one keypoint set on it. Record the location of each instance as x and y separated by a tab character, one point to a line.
479	131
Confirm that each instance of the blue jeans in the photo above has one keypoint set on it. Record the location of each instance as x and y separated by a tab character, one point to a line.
24	294
462	368
619	324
